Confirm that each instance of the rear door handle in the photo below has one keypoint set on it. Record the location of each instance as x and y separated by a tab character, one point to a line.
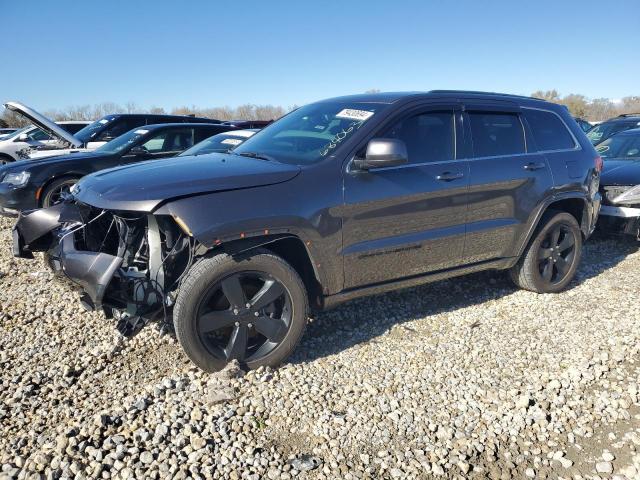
448	176
534	166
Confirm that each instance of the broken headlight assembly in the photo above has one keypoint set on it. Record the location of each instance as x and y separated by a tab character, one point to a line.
17	179
628	196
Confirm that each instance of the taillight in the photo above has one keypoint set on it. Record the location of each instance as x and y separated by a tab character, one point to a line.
598	163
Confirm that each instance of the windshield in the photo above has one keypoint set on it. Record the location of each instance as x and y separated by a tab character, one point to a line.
601	132
90	131
310	133
223	142
123	142
620	146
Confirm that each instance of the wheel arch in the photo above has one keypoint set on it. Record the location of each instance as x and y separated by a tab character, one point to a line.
7	157
574	203
54	178
290	248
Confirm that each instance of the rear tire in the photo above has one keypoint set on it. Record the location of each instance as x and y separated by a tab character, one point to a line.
6	159
212	316
51	194
551	259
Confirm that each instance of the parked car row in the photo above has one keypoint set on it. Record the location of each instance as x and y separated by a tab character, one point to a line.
341	198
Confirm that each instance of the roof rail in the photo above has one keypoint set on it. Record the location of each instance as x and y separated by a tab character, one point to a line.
474	92
629	115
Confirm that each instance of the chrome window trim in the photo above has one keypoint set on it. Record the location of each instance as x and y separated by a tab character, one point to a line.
576	144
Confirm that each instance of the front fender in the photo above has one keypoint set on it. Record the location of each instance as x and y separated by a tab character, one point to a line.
220	218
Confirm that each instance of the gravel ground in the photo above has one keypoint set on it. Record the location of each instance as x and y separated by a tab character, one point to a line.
461	378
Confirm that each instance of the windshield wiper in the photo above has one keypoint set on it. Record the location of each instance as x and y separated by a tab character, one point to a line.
260	156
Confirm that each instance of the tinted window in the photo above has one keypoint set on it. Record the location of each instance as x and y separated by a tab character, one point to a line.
429	137
72	127
496	134
170	141
120	126
549	132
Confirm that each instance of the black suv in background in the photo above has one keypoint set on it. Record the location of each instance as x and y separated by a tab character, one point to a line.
604	130
112	126
40	183
341	198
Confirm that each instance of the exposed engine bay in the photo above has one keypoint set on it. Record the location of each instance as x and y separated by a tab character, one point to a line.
129	264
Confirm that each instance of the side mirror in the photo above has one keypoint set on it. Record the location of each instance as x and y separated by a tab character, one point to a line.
138	152
383	152
23	137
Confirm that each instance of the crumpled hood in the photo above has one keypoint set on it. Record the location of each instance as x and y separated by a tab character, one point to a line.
143	186
620	172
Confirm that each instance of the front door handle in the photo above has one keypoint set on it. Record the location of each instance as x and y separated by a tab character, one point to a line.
448	176
534	166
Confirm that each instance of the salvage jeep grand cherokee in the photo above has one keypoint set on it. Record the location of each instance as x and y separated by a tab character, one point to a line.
342	198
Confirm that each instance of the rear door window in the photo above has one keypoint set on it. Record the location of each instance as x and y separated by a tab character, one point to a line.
549	132
496	133
170	141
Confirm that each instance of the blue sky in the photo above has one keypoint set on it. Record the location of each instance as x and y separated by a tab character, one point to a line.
208	53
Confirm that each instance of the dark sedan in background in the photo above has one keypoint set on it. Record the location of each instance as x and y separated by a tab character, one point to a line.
32	184
620	183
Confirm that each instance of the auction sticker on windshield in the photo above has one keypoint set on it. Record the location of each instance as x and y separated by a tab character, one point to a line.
353	114
141	132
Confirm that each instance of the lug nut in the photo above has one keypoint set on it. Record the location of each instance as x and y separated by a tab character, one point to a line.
235	311
237	324
248	305
250	325
256	313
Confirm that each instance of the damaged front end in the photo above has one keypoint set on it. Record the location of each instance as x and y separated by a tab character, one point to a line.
127	263
620	211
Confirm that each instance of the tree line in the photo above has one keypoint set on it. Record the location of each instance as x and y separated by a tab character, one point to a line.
596	109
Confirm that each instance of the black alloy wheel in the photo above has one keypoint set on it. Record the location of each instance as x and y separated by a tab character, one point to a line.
244	316
551	258
252	309
557	254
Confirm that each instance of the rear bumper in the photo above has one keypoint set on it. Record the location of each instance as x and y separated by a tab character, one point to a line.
52	230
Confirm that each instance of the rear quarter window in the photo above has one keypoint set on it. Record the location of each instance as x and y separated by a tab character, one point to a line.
549	131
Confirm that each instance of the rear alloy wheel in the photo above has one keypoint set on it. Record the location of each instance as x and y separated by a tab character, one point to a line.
54	192
252	310
551	260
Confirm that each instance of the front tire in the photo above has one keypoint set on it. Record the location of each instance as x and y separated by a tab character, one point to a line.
52	194
550	261
252	309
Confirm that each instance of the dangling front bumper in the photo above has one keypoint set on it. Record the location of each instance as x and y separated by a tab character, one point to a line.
51	230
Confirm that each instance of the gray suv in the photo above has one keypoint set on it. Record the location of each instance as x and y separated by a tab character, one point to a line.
341	198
